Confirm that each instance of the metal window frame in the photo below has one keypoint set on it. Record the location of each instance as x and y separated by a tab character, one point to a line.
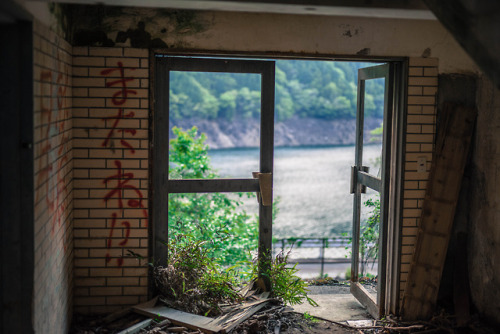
161	184
389	185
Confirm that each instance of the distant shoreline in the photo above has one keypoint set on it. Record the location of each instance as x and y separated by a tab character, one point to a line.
295	132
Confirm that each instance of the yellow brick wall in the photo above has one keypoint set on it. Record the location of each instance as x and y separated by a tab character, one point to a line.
53	161
420	133
110	131
110	120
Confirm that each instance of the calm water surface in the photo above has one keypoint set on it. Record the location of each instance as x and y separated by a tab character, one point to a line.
311	183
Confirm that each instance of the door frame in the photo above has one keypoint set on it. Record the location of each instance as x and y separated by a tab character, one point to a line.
398	140
162	186
389	186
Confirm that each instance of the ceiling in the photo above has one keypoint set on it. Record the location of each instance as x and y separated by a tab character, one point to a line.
404	9
475	24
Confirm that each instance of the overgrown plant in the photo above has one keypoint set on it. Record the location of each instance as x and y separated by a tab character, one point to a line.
285	284
209	236
192	281
369	236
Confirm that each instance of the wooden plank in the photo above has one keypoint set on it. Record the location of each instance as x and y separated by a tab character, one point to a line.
188	320
213	185
438	211
137	327
242	316
365	298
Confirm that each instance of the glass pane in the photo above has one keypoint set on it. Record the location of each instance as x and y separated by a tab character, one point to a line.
373	125
312	187
227	228
224	108
369	240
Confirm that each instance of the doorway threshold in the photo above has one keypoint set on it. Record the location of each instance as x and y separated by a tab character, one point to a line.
336	303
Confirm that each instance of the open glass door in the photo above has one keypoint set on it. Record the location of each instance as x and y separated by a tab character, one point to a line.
370	186
260	181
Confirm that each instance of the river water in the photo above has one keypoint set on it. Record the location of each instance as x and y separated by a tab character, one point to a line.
311	184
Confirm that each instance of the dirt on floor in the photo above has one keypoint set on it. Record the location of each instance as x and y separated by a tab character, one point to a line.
270	320
287	322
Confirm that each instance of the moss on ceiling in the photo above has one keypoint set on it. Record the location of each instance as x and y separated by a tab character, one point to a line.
98	25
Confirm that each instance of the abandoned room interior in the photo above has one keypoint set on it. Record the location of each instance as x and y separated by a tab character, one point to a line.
85	130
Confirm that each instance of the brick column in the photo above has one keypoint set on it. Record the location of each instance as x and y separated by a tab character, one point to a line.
420	135
110	98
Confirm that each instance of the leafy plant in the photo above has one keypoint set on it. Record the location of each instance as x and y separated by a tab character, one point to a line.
368	238
310	318
228	233
369	235
192	281
285	284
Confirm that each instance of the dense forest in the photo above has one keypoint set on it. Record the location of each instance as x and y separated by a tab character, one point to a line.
313	89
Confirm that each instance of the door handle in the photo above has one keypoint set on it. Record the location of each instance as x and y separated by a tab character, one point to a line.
266	188
354	178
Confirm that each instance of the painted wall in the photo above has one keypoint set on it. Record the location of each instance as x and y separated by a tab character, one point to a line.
53	179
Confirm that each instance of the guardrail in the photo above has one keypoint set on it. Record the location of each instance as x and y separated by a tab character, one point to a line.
312	243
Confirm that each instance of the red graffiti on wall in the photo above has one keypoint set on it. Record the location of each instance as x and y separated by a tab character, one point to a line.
121	180
110	238
50	180
120	96
111	132
121	183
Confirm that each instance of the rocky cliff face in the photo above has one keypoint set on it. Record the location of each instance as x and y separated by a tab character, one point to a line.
292	132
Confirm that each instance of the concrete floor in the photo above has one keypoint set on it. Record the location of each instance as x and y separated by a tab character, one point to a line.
335	304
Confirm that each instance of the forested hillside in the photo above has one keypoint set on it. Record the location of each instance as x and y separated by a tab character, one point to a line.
304	89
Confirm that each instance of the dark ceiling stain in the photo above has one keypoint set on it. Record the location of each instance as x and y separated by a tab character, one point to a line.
92	25
91	38
426	53
364	52
350	31
140	38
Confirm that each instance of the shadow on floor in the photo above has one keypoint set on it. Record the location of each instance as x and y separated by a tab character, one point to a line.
335	303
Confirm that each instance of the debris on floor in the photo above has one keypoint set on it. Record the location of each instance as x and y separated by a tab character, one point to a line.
259	315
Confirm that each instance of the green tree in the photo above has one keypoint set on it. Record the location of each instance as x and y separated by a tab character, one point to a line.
229	232
321	89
